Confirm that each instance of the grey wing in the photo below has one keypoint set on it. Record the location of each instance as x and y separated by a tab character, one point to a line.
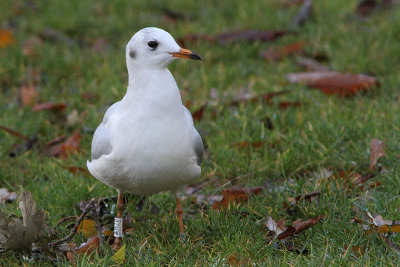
198	147
101	144
197	142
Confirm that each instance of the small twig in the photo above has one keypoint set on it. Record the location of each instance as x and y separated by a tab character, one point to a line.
15	133
69	218
88	207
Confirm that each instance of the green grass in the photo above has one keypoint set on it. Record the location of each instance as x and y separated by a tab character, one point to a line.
327	132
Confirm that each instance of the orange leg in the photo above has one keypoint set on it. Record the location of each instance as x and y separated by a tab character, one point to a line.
118	226
179	212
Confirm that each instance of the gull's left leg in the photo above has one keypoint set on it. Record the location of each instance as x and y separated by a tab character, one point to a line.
179	213
118	231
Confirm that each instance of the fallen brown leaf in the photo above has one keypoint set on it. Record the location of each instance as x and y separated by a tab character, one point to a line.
278	53
308	197
29	94
6	38
76	170
87	228
377	150
17	234
233	260
54	141
64	149
49	106
286	104
92	245
276	227
198	114
378	224
359	250
331	82
299	226
235	195
90	96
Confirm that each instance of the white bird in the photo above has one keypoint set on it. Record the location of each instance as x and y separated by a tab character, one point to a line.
147	142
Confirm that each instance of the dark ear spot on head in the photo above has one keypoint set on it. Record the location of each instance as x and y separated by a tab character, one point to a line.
132	54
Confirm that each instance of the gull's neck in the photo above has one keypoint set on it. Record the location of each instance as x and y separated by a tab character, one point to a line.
153	87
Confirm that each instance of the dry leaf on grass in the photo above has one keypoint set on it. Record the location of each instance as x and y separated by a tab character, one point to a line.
49	106
298	227
377	150
276	227
29	94
89	96
20	234
285	235
92	245
87	228
76	170
233	260
331	82
70	145
358	250
278	53
199	113
378	224
236	195
6	38
287	104
308	197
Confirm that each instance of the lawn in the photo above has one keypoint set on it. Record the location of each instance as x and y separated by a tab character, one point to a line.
81	63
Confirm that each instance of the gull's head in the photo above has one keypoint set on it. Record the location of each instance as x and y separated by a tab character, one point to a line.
154	48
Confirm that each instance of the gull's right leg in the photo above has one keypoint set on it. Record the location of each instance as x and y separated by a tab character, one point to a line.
118	231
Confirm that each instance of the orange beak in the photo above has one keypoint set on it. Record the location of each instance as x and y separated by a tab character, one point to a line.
186	53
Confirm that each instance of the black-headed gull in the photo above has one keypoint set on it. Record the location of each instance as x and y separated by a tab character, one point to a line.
147	142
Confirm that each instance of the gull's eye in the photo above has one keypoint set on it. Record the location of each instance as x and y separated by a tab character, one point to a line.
152	44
